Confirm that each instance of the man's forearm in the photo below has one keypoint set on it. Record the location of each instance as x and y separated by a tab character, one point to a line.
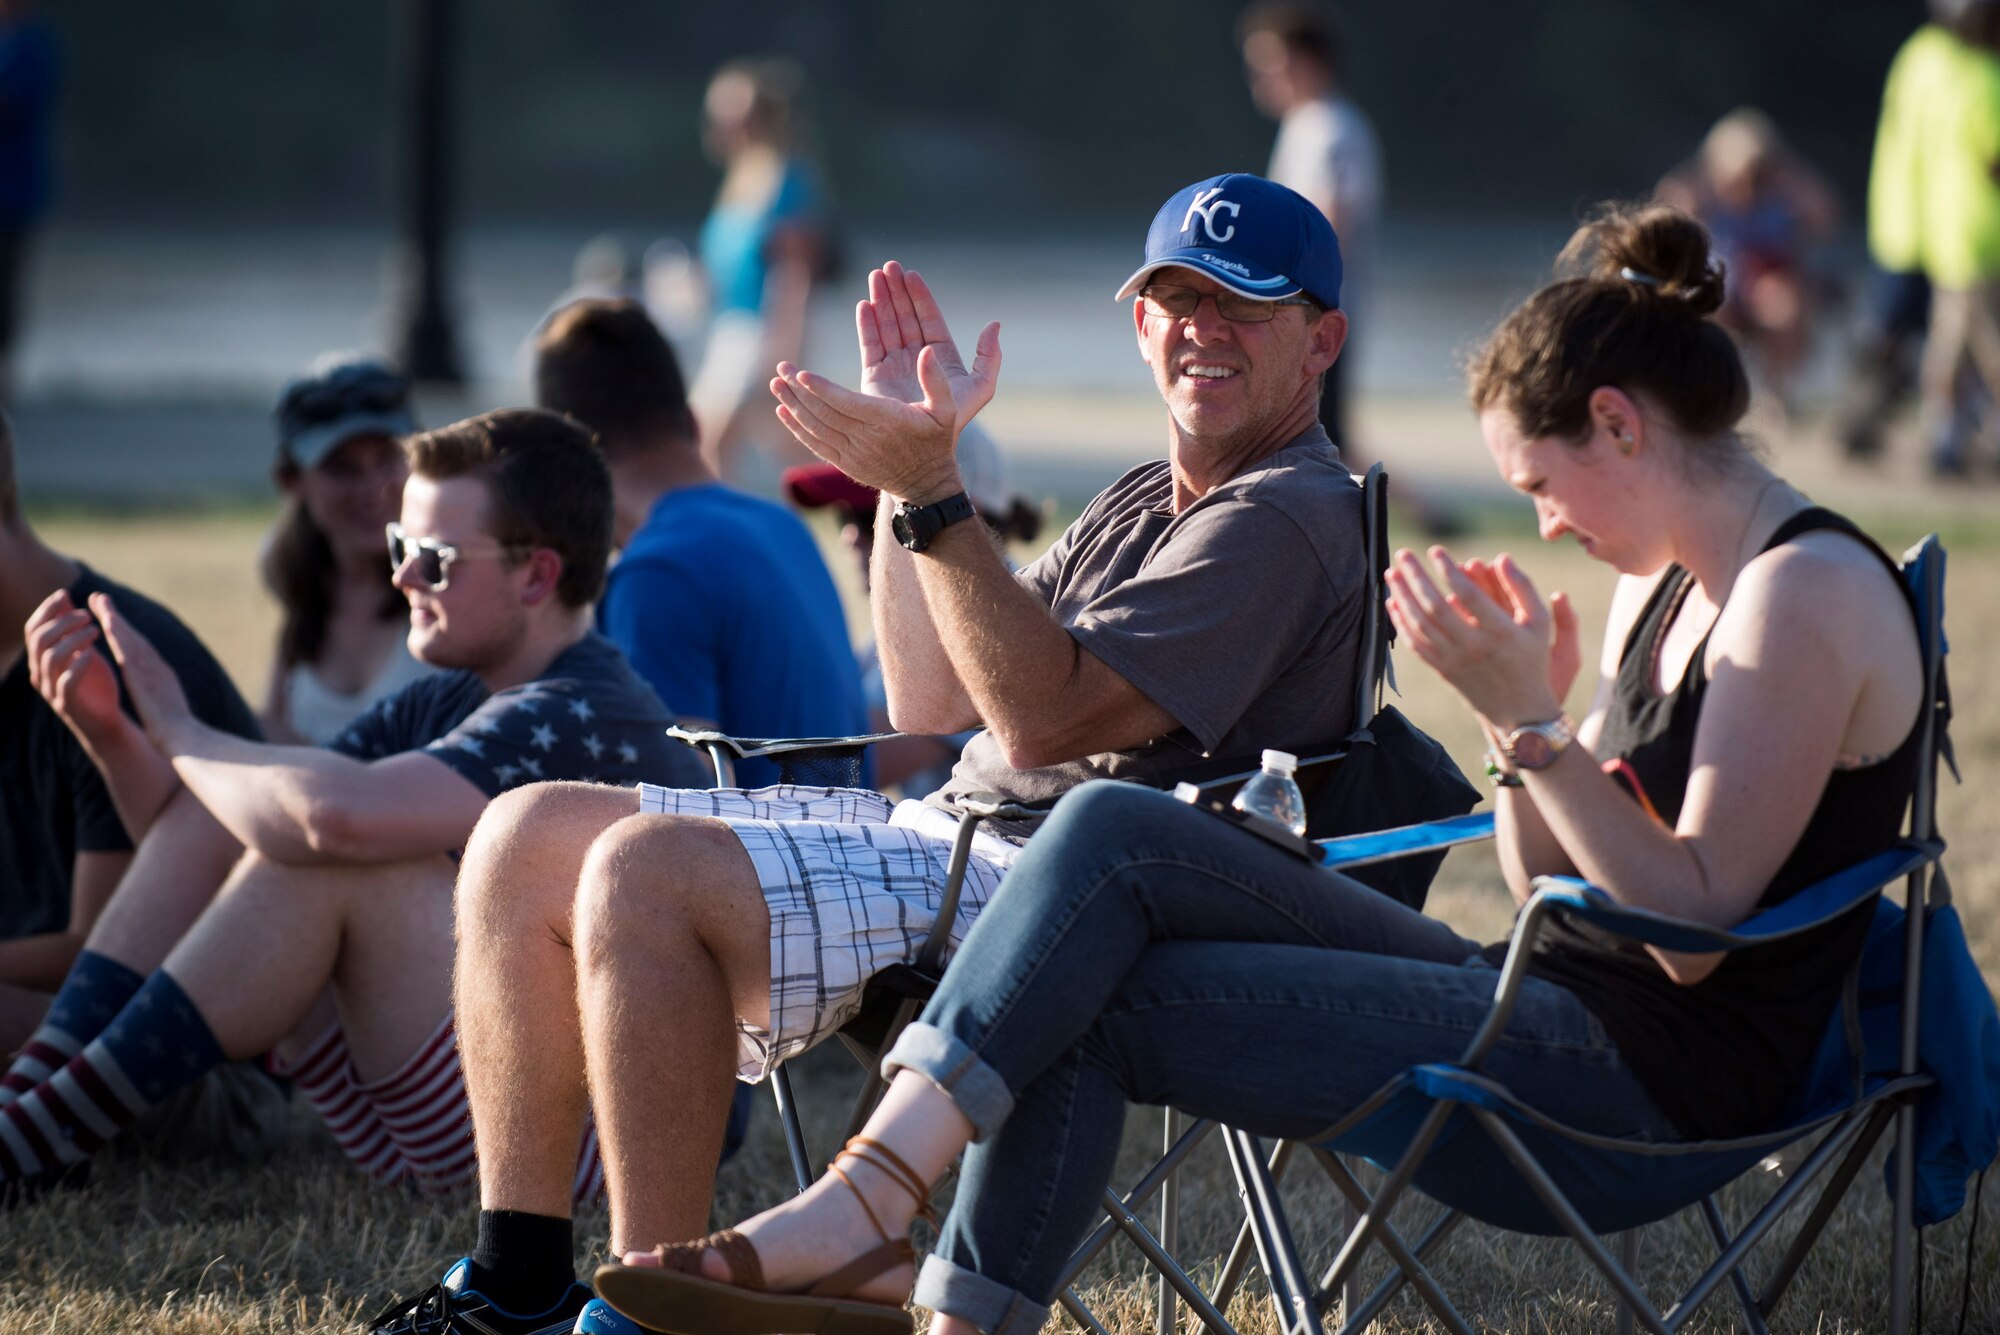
924	690
271	798
1022	671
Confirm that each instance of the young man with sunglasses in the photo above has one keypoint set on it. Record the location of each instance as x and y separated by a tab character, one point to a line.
329	938
1203	606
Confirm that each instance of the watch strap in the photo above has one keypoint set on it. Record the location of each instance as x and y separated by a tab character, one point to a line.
922	523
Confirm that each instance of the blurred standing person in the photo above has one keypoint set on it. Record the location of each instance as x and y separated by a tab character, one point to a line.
1764	208
1327	151
1934	193
27	106
764	244
342	639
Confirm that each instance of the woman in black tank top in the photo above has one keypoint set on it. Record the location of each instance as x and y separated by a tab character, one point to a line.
1754	726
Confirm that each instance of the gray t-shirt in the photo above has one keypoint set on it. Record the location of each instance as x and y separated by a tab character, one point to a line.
1239	616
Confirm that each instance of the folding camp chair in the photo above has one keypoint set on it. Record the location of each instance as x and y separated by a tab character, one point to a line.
1471	1144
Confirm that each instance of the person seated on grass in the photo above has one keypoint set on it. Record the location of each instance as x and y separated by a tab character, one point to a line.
343	630
1150	637
1761	687
301	896
66	836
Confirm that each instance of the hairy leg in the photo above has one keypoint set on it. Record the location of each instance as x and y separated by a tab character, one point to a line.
520	1043
175	874
673	945
259	961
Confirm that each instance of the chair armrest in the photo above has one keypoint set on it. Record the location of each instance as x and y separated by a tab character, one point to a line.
1816	904
1358	850
744	748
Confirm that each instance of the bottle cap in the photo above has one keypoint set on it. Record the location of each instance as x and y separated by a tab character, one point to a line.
1283	760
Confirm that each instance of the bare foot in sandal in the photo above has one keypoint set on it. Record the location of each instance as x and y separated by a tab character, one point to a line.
836	1258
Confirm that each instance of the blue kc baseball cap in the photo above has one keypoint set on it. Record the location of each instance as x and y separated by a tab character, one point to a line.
1251	235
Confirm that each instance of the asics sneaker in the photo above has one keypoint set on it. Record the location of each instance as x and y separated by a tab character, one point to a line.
601	1318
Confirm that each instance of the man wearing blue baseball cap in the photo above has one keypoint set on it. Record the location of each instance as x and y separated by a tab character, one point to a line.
1204	607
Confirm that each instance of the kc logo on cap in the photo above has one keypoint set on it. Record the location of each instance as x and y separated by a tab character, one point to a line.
1251	235
1205	206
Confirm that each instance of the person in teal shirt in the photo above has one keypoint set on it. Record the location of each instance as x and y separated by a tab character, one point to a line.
763	246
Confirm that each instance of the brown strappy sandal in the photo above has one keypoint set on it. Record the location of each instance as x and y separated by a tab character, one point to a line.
677	1298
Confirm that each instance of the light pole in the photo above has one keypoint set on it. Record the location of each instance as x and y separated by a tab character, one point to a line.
427	343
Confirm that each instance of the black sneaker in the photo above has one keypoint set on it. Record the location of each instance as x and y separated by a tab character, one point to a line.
449	1308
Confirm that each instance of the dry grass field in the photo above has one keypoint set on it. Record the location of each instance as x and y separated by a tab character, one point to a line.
297	1242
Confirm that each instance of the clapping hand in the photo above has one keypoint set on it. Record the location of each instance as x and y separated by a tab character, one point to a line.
69	670
897	433
1488	633
155	690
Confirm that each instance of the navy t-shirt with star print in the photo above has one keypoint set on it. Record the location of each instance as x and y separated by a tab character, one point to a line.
588	717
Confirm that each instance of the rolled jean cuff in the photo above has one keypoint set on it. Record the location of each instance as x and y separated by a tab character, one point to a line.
981	1095
996	1309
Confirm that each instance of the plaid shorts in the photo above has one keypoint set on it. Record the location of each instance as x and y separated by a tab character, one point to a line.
853	883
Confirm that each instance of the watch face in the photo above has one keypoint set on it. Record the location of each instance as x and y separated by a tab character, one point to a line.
899	525
1531	750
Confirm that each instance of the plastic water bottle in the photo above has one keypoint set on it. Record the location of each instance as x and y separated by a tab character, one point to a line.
1273	793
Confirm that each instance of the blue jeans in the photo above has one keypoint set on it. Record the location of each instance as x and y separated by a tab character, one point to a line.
1141	951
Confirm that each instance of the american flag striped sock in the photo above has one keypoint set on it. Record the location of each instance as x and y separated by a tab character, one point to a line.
158	1044
93	993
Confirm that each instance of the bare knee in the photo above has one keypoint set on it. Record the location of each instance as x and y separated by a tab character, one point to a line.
527	851
654	881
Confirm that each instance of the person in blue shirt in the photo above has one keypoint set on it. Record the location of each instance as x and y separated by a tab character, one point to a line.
720	599
27	104
318	880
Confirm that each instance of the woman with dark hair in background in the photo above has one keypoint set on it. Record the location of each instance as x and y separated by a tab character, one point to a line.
1756	707
341	643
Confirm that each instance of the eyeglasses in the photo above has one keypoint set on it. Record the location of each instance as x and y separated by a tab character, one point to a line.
1174	302
435	559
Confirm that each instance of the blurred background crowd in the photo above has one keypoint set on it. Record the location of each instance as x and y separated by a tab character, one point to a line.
196	202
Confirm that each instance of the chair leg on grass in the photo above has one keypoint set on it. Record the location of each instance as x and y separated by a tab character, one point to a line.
1297	1307
1904	1226
1764	1220
1753	1316
1170	1225
1628	1257
1573	1223
1357	1314
1830	1197
788	1118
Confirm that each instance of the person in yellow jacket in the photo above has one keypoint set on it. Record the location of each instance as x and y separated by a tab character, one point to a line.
1934	204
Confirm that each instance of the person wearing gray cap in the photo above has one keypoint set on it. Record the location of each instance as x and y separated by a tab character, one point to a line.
341	636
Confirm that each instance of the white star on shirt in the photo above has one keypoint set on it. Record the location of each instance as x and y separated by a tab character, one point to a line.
544	737
506	773
628	753
581	709
595	745
472	746
531	766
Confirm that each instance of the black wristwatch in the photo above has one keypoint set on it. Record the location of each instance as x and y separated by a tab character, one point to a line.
916	526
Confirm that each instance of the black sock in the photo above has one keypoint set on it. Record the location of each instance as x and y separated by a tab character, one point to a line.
523	1261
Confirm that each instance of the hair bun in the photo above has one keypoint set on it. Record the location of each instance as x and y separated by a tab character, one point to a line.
1653	247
